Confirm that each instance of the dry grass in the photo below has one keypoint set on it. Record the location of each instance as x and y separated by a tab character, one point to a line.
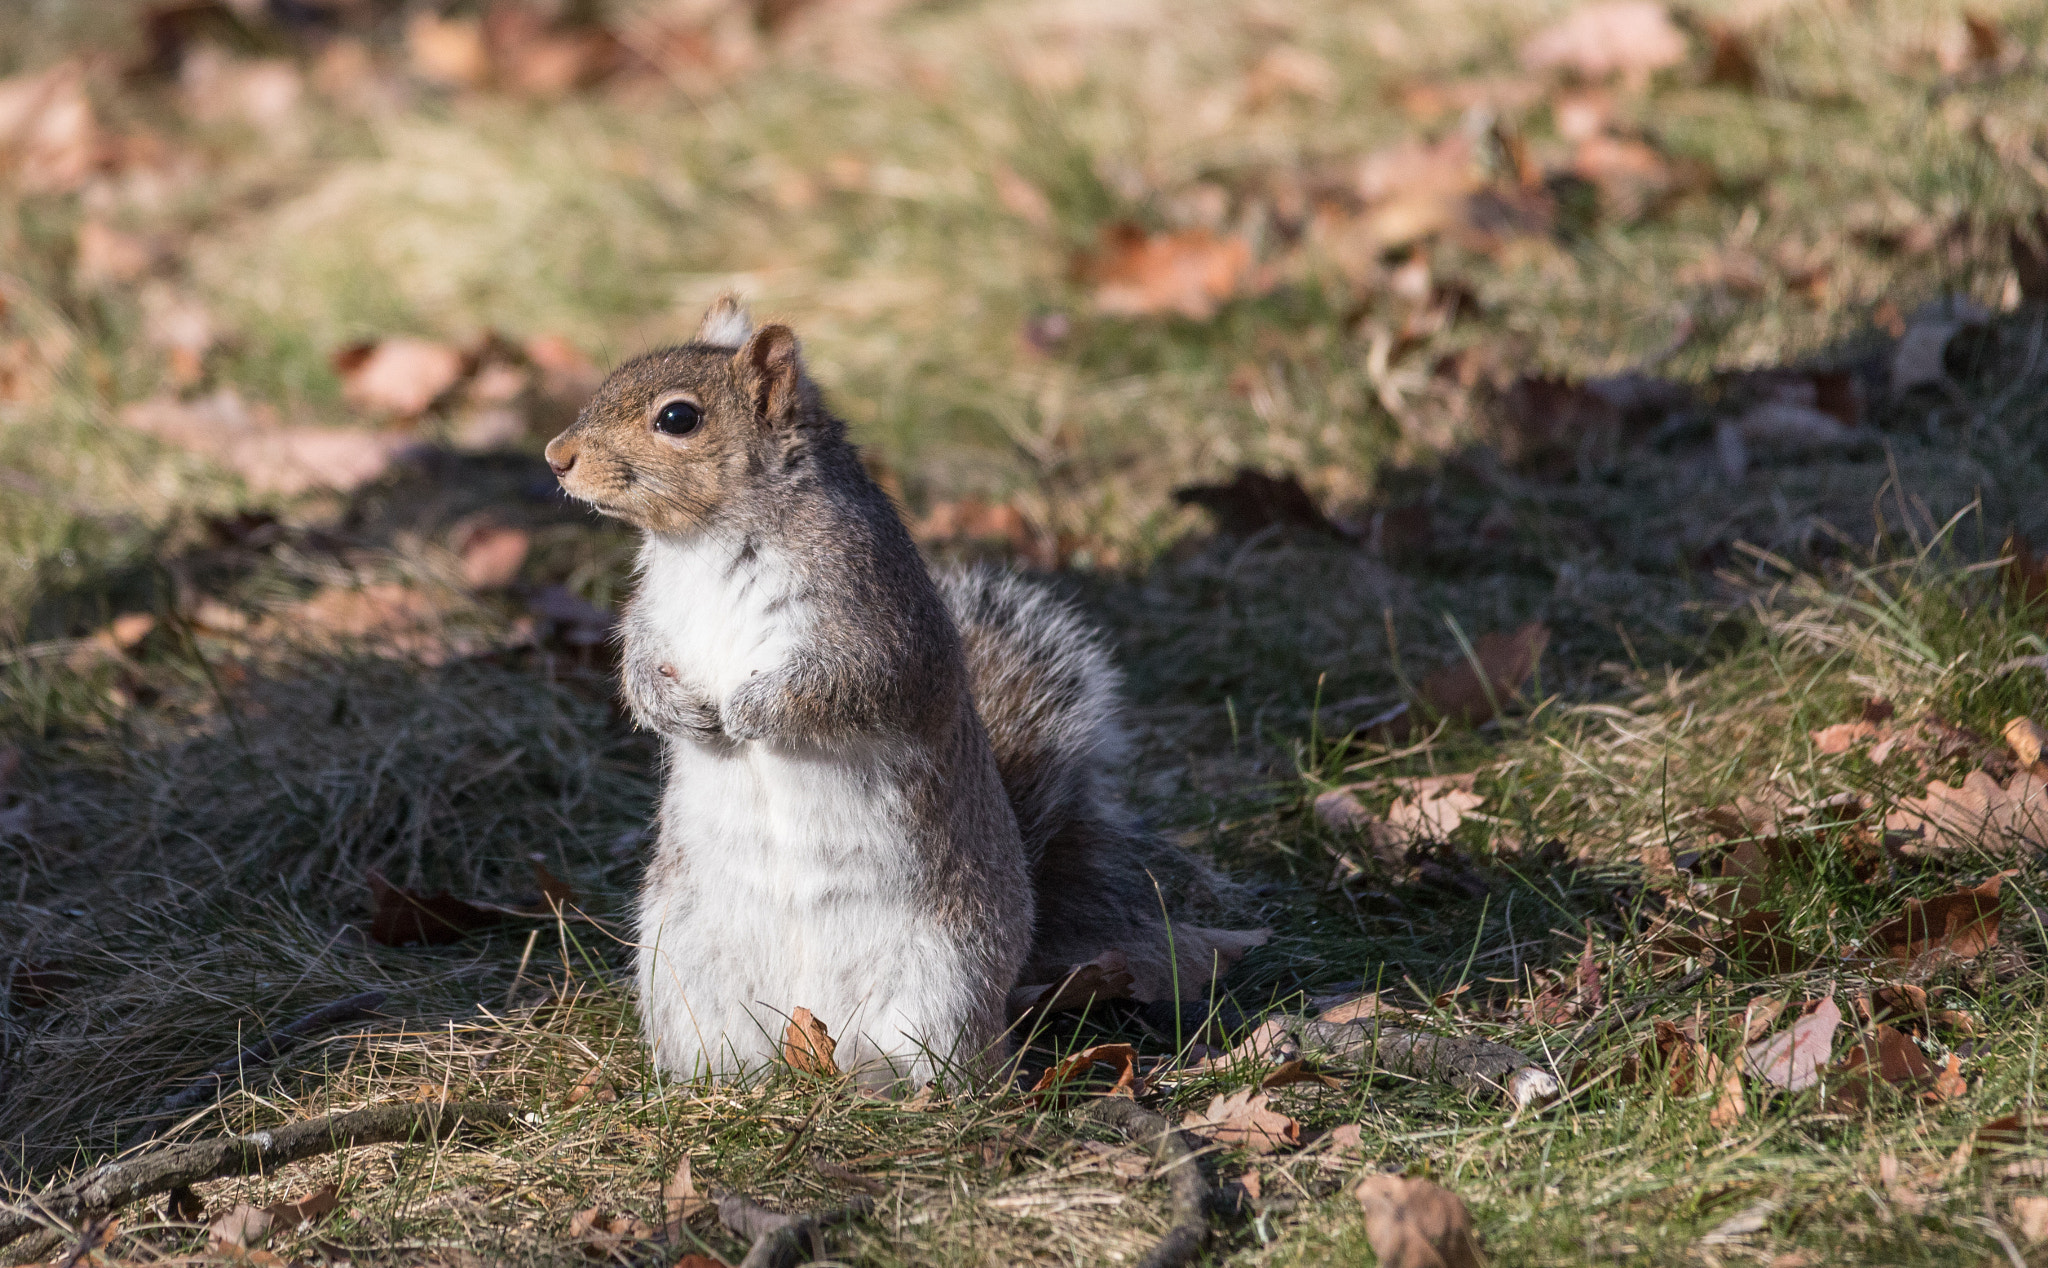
202	811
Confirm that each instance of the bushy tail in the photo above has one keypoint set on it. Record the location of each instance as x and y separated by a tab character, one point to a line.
1051	701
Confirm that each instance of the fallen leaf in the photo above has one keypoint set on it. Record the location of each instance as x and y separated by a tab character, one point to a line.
1734	62
1631	39
2030	1216
389	618
48	136
1345	1138
1340	810
1355	1009
1980	813
2027	739
1505	661
310	1209
447	51
1107	976
1121	1056
40	983
1410	191
245	1226
263	93
491	554
531	55
109	257
1630	176
1189	272
401	917
271	457
1832	741
1949	1083
2025	577
1921	355
1793	1058
1270	1042
1964	923
1413	1223
566	375
1243	1118
1254	501
606	1234
1431	808
808	1046
680	1199
1288	71
401	376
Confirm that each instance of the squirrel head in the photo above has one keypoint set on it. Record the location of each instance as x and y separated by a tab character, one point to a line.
673	436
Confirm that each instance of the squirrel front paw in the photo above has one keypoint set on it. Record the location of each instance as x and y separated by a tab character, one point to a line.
663	702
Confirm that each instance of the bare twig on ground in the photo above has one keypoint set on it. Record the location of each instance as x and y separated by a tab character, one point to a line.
1466	1063
779	1240
209	1086
1171	1155
116	1184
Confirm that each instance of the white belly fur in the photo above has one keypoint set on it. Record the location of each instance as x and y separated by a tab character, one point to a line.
783	877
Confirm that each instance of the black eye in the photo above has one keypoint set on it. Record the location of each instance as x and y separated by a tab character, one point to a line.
678	418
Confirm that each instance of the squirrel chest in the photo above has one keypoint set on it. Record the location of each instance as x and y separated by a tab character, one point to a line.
786	873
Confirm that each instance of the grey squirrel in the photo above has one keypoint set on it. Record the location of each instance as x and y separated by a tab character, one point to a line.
888	797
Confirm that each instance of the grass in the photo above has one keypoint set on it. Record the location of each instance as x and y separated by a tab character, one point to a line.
202	810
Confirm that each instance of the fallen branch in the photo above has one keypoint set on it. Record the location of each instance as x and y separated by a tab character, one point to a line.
116	1184
210	1085
1469	1064
1171	1155
779	1240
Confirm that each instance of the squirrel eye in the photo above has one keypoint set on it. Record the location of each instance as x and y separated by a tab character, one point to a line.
678	418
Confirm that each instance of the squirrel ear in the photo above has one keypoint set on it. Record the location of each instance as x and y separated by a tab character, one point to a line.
772	369
726	323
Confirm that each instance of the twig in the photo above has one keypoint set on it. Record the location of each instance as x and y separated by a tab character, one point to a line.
116	1184
783	1241
1468	1064
1171	1155
261	1053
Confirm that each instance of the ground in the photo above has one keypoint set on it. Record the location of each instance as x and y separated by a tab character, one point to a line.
1699	355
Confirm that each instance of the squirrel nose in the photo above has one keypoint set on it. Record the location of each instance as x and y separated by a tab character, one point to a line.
560	457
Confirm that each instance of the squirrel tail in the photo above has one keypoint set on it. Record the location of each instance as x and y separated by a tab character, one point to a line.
1051	701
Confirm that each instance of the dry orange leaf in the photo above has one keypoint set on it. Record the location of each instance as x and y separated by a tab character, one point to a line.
1793	1058
310	1209
1506	660
48	137
1107	976
1120	1055
1361	1006
400	376
1291	1072
2027	739
1413	1223
679	1197
1244	1118
1832	741
270	456
808	1046
1631	39
1268	1042
1980	812
1964	923
492	555
1189	272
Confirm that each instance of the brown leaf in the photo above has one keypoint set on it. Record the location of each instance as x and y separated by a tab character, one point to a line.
1835	740
401	376
1629	39
401	917
1506	661
1734	62
566	375
1964	923
2027	739
1254	501
1979	813
1413	1223
389	618
593	1081
492	555
1551	425
1268	1043
680	1199
1287	71
109	257
1430	808
448	51
1630	176
310	1209
1949	1082
1355	1009
1107	976
245	1226
535	57
1793	1058
808	1046
2025	577
40	983
2030	1216
1189	272
1121	1056
270	456
1243	1118
49	140
606	1234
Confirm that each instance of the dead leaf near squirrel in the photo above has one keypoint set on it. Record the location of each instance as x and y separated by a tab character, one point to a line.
1414	1223
808	1046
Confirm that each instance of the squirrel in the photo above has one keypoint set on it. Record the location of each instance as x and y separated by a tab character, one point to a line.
887	795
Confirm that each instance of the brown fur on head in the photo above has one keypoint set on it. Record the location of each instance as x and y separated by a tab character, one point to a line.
673	436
